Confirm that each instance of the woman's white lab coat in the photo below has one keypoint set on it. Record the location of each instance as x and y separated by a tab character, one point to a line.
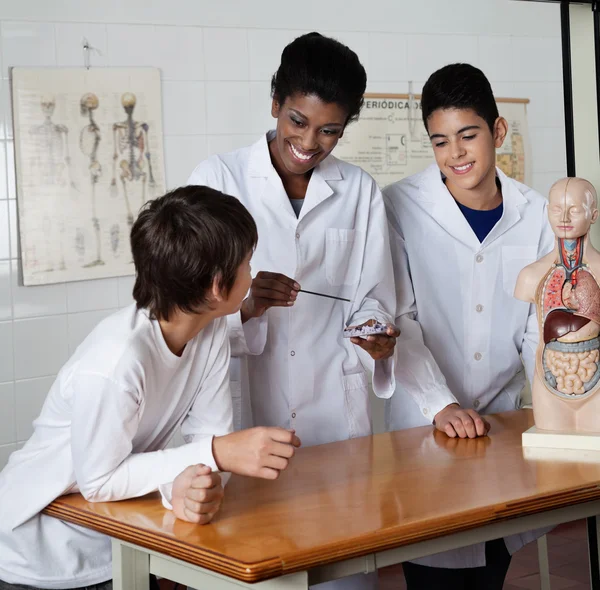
296	370
463	334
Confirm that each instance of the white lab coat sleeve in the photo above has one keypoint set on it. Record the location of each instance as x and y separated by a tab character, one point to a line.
249	338
416	370
211	413
105	419
531	335
375	294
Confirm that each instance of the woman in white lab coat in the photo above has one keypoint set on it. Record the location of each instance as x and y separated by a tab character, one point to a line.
322	227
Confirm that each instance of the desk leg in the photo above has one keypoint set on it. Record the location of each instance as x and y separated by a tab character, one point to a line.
593	524
542	544
131	567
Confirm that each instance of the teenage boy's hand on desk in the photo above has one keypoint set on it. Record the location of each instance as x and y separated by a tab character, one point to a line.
269	289
256	452
455	421
197	494
379	346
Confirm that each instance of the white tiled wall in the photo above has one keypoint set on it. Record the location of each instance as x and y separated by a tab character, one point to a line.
216	60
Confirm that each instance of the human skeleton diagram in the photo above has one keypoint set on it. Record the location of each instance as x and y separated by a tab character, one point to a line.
89	141
50	166
564	287
131	156
51	147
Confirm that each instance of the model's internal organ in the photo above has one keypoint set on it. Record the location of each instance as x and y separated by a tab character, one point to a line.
571	320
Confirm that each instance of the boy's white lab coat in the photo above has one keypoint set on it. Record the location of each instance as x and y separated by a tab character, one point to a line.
462	331
296	370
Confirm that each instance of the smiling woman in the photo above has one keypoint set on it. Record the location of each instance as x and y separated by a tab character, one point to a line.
322	228
307	131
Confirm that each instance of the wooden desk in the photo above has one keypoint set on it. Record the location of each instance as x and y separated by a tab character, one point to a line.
348	507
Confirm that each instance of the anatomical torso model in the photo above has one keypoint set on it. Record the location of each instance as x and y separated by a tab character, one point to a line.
564	287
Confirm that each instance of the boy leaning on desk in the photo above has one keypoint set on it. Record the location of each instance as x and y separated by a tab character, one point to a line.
156	366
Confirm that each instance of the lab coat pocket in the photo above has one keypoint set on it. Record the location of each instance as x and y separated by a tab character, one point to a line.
356	390
342	260
514	260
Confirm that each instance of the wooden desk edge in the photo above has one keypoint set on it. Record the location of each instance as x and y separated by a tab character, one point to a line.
161	543
304	560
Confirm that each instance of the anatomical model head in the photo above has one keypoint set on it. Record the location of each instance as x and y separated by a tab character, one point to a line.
572	207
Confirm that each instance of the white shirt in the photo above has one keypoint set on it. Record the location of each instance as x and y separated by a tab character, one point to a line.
296	370
112	409
462	331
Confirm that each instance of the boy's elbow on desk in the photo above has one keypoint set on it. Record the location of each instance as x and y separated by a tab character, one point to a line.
98	492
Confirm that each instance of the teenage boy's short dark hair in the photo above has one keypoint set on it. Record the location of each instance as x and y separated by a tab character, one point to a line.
459	86
319	65
185	240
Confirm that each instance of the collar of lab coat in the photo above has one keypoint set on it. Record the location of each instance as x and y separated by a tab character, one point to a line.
260	166
445	211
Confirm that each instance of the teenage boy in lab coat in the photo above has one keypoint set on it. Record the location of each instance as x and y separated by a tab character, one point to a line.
461	231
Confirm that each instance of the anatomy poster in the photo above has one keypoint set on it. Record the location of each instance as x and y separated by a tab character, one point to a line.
390	141
88	151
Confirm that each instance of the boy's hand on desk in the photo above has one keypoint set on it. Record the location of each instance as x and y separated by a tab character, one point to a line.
197	494
455	421
269	289
379	346
256	452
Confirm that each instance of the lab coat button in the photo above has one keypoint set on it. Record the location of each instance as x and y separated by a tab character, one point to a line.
477	356
479	308
479	258
293	353
293	414
297	235
425	412
476	404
